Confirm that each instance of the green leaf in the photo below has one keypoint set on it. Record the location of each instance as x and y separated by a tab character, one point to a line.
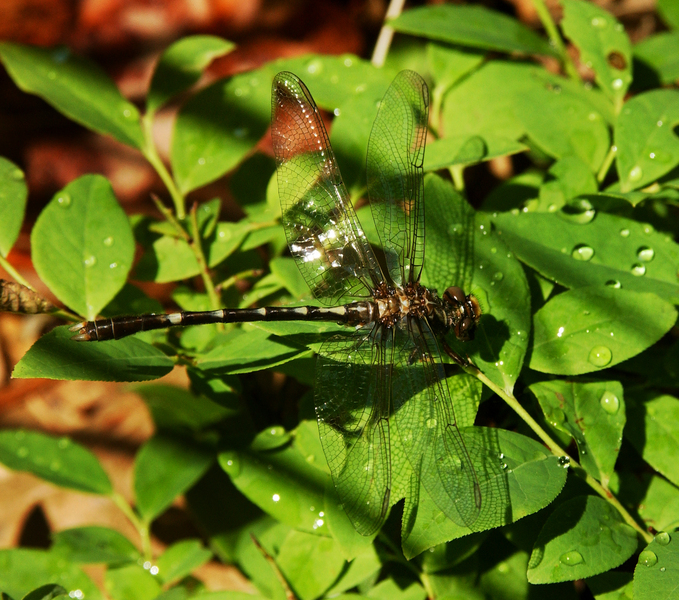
588	247
13	194
583	537
90	545
613	585
283	482
659	508
592	328
56	356
22	570
459	150
182	64
46	592
534	477
164	468
76	87
593	414
652	431
82	245
647	146
473	26
57	460
390	589
566	179
449	64
603	44
660	54
240	351
180	560
669	11
131	582
364	565
656	575
309	563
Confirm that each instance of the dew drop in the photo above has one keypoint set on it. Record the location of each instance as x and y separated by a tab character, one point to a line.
663	538
63	443
648	558
571	558
564	461
51	75
108	241
610	403
337	112
22	452
662	569
64	200
90	261
582	252
55	465
617	84
113	265
498	276
276	497
635	174
314	67
614	284
431	423
277	431
231	465
600	356
201	161
638	270
599	22
348	62
645	254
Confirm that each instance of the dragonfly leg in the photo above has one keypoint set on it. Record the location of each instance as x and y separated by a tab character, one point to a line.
463	362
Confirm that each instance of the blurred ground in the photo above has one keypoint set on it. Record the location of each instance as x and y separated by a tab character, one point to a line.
125	37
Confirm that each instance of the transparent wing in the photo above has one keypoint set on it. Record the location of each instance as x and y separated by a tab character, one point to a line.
394	174
455	469
323	232
352	406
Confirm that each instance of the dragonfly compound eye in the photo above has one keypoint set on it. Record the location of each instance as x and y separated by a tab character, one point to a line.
455	293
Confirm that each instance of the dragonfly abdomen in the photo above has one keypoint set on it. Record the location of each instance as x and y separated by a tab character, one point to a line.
119	327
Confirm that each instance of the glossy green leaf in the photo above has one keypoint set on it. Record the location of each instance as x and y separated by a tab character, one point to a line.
46	592
56	356
583	537
164	468
131	582
240	351
456	150
659	507
592	328
656	575
182	64
593	414
57	460
449	64
74	86
669	11
472	26
309	563
90	545
586	247
82	245
180	560
603	44
659	53
647	146
13	195
534	477
653	432
22	570
283	483
566	179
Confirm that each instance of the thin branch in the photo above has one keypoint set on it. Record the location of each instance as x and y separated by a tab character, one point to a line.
386	33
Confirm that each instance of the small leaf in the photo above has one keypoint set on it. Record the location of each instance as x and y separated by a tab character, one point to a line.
449	64
46	592
657	572
566	179
13	194
659	53
309	563
180	560
473	26
660	505
592	328
57	460
652	431
647	146
76	87
364	565
164	468
82	245
593	414
613	585
669	11
56	356
90	545
603	44
131	582
456	150
583	537
182	64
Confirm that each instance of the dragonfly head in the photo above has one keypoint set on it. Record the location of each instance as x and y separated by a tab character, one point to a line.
465	313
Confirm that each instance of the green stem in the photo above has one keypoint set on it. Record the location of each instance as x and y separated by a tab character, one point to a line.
13	273
555	38
151	154
231	281
456	172
141	527
606	165
435	110
386	33
197	247
559	451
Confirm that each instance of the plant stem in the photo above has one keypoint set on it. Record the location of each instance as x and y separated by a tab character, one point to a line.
456	172
555	38
197	247
151	154
227	283
141	527
13	273
559	451
386	33
606	165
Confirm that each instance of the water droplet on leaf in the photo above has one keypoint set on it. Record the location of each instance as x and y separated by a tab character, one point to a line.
663	538
582	252
600	356
610	403
64	200
638	270
571	558
648	558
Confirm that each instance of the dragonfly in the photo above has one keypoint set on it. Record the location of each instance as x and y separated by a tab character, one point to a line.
386	377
